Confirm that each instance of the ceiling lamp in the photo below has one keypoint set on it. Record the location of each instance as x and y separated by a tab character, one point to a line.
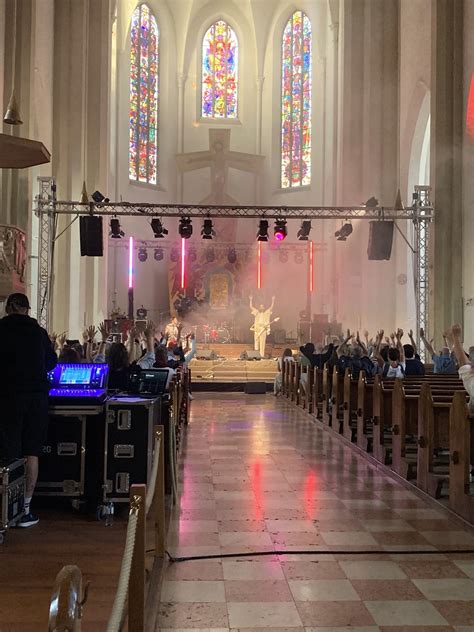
304	230
185	228
159	254
280	231
262	234
116	231
207	230
157	227
142	254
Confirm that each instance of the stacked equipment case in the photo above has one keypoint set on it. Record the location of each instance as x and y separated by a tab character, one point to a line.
12	493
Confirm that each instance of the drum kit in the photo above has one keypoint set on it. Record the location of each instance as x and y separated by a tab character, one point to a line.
216	333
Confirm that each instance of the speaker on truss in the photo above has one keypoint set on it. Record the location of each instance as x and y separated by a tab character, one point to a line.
380	240
91	236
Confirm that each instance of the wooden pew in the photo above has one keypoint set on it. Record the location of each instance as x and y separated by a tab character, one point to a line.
349	406
461	444
326	394
337	400
381	418
318	393
364	411
433	435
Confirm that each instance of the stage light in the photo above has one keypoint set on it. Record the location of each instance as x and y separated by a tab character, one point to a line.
280	231
262	234
207	230
283	256
371	203
192	255
142	254
174	255
304	230
116	231
157	227
343	233
210	255
185	228
159	254
99	198
231	255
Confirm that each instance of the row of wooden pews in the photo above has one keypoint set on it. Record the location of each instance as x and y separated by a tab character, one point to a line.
420	426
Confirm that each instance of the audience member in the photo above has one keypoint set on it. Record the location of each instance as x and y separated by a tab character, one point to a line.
443	362
26	356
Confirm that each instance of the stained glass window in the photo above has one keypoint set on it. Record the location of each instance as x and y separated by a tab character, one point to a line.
296	102
220	53
143	147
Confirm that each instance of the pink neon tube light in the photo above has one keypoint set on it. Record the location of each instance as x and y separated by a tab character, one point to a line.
311	265
183	264
130	263
259	266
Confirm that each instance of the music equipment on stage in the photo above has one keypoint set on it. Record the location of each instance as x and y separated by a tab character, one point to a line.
206	354
72	383
250	355
12	493
255	388
279	336
128	445
267	327
149	382
380	240
90	235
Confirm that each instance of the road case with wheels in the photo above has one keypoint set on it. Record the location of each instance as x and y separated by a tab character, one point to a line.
12	493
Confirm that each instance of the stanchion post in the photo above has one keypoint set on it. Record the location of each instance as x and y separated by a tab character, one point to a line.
136	589
160	497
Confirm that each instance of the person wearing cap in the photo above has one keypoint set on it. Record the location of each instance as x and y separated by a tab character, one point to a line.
26	356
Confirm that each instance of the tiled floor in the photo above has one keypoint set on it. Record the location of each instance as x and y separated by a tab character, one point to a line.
258	475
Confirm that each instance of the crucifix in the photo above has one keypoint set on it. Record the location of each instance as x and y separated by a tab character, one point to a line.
219	158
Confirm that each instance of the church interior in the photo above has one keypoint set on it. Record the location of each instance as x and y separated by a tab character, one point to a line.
214	215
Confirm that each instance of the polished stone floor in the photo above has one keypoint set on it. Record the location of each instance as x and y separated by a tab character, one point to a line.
258	475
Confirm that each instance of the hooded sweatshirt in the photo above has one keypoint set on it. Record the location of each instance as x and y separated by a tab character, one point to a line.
26	356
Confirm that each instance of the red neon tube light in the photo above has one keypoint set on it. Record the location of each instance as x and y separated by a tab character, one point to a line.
183	264
259	266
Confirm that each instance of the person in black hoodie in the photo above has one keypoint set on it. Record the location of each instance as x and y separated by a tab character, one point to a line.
26	356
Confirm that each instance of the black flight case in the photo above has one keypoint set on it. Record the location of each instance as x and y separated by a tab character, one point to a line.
12	493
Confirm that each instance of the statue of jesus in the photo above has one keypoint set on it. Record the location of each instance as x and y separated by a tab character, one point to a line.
261	326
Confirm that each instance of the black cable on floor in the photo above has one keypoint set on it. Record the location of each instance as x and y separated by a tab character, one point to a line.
172	559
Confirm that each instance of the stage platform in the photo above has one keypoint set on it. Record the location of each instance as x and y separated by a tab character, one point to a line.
231	374
233	351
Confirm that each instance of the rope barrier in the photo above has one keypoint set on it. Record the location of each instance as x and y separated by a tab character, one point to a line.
150	494
118	608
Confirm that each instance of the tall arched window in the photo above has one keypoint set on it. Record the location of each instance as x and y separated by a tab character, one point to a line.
296	102
143	148
220	53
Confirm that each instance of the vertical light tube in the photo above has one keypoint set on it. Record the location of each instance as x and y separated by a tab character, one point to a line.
130	263
130	278
259	265
311	264
183	264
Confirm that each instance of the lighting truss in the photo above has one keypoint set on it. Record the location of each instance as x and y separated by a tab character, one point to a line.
48	208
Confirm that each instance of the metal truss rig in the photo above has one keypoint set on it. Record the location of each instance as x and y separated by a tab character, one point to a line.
131	209
48	209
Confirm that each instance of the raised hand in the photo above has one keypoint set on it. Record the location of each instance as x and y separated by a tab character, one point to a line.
62	339
104	331
91	332
410	334
456	331
422	333
149	330
399	334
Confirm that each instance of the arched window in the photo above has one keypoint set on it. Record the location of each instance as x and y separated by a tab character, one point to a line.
143	148
220	53
296	102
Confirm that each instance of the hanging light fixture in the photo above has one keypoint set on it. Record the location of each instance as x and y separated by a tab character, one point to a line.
12	115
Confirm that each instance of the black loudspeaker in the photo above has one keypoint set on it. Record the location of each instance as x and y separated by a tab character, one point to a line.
380	240
90	231
206	354
250	355
255	388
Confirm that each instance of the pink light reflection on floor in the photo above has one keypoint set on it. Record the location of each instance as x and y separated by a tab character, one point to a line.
256	477
310	486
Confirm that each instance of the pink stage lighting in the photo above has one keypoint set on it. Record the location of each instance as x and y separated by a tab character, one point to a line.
311	265
183	264
259	265
130	263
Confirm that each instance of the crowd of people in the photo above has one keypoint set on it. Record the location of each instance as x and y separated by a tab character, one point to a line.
387	356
